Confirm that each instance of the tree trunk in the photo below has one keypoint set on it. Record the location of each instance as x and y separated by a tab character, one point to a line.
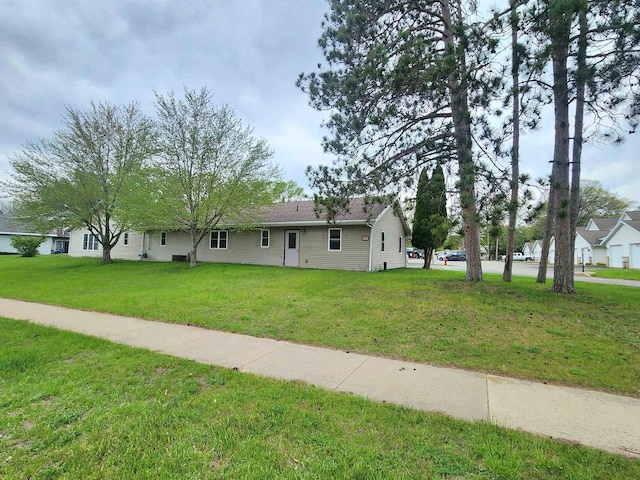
106	254
428	255
560	26
462	134
515	147
548	232
105	239
581	80
193	254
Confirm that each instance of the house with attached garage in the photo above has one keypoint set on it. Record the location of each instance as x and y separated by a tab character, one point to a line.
366	238
55	241
623	242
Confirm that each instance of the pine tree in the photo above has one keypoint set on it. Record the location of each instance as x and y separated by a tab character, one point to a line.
430	226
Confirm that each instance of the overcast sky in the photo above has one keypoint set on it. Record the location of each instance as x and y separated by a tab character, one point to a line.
248	52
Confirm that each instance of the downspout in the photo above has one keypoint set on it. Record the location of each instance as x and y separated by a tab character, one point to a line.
370	246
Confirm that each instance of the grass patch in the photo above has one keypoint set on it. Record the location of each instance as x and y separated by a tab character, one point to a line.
520	329
620	273
82	407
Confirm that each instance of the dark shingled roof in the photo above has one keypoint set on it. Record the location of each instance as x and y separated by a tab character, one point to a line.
304	211
635	224
592	236
635	215
9	225
605	223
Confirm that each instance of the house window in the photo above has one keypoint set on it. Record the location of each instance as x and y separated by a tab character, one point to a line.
382	242
399	244
219	239
163	239
264	238
89	242
125	240
335	239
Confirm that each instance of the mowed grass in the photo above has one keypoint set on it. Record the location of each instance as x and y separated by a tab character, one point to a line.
79	407
522	329
620	273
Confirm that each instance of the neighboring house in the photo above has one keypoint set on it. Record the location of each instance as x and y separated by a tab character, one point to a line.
288	234
527	250
589	246
536	249
56	240
623	242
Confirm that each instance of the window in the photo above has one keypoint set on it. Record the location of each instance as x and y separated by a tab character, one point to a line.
399	244
382	242
125	240
219	239
89	242
264	238
163	239
335	239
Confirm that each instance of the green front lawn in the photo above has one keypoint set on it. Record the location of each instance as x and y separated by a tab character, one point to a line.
621	273
521	329
78	407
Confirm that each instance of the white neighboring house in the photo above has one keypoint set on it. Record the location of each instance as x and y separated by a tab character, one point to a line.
55	241
623	242
536	250
288	234
527	251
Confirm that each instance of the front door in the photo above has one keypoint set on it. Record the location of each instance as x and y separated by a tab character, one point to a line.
291	248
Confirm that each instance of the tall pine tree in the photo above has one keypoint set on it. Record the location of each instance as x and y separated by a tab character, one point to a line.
430	225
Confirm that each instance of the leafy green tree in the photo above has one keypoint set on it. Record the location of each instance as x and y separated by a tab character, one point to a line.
290	191
27	246
400	84
430	226
211	168
80	177
596	201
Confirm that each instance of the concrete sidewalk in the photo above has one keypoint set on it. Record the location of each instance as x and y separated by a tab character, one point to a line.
600	420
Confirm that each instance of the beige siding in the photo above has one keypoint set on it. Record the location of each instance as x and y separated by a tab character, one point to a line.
394	254
244	246
354	253
126	252
75	245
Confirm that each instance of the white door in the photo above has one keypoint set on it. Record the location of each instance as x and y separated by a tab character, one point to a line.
615	256
291	248
634	260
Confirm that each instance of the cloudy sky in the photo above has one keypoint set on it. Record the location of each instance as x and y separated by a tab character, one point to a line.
248	52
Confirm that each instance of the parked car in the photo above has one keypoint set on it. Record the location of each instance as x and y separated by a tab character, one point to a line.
519	257
415	253
457	256
441	255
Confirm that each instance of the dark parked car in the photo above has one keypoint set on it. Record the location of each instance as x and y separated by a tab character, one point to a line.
459	256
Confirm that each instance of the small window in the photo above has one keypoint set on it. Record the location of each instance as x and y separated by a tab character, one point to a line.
163	239
382	242
125	240
264	238
89	242
399	244
335	239
219	240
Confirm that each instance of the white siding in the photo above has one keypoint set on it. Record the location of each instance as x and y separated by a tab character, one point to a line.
393	256
45	247
619	245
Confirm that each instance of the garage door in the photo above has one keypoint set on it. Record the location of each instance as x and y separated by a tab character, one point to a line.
634	260
615	256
